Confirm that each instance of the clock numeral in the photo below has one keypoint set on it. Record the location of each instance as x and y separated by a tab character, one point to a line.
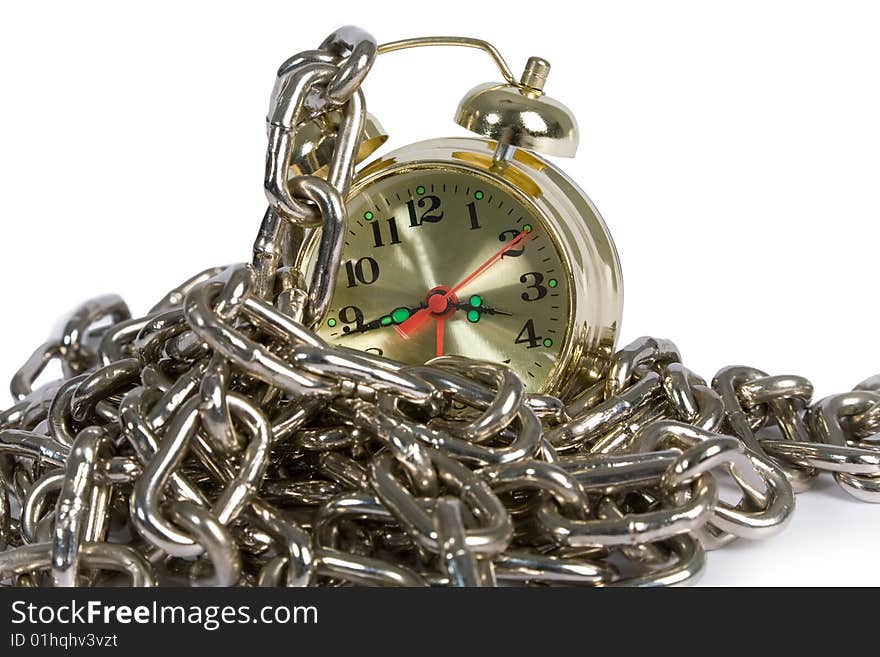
536	279
506	236
365	270
392	231
472	213
527	335
351	315
430	204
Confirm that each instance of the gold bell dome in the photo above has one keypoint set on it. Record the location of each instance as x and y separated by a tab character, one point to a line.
315	142
521	114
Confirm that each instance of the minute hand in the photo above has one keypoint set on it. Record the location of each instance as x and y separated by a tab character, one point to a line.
424	316
377	323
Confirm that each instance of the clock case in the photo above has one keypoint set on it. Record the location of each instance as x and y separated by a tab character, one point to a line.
578	231
516	120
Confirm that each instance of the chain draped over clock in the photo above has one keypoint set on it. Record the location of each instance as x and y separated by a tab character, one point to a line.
218	440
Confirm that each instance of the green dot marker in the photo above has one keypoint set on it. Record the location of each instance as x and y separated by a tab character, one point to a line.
475	301
552	282
478	195
399	316
420	190
473	316
385	321
331	322
548	342
368	215
527	228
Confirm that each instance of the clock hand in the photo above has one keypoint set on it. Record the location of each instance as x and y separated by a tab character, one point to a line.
439	339
516	241
423	316
384	321
378	322
484	310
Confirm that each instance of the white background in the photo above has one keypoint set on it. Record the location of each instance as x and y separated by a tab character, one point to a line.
733	149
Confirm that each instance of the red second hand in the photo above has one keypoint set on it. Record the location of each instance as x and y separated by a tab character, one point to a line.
439	336
422	317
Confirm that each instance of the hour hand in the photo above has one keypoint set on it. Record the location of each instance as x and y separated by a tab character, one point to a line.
475	307
481	309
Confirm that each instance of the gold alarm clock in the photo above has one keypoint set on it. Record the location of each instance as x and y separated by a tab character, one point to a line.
477	247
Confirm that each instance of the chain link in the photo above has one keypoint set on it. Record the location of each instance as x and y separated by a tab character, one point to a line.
219	441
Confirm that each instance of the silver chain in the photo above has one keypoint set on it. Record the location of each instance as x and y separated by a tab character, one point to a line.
218	440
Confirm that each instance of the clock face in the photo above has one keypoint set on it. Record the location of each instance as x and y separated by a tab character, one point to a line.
447	261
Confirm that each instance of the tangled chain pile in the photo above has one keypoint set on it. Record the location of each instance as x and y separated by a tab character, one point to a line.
219	440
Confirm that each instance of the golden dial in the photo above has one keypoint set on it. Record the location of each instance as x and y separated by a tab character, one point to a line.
442	260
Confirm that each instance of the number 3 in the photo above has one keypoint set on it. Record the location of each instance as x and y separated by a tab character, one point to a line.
537	279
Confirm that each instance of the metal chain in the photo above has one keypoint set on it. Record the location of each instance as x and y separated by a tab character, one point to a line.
218	440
